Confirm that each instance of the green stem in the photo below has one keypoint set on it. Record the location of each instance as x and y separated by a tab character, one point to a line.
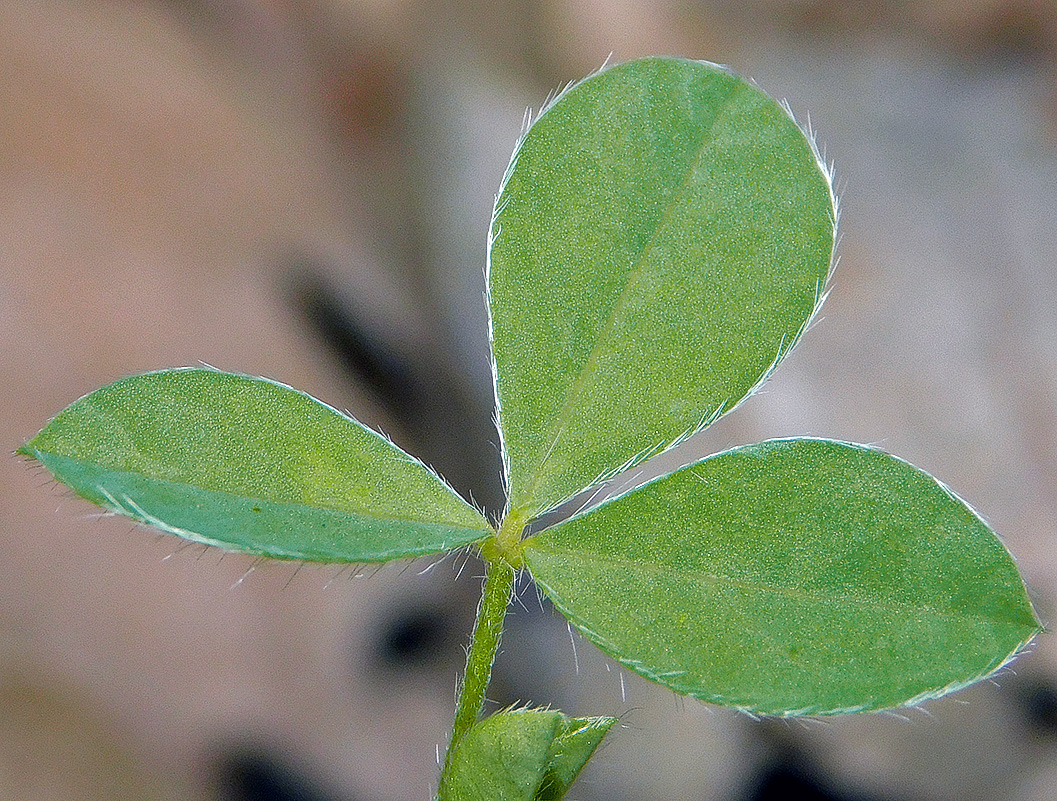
498	585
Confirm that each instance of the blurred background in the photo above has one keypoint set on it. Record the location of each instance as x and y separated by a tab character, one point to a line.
301	189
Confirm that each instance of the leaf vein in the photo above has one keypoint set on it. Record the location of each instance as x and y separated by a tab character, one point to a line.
626	565
634	276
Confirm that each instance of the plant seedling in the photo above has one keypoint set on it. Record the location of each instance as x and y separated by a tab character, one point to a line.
660	241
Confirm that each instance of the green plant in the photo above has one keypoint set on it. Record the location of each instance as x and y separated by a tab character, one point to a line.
661	239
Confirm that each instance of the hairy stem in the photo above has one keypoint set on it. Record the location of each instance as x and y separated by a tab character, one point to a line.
498	584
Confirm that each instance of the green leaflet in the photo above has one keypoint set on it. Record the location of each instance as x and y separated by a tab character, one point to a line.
522	755
251	465
661	237
791	577
574	743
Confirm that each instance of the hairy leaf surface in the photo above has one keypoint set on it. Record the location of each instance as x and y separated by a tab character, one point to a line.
661	237
251	465
791	577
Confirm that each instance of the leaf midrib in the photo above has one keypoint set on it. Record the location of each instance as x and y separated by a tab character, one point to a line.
634	275
625	564
485	529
